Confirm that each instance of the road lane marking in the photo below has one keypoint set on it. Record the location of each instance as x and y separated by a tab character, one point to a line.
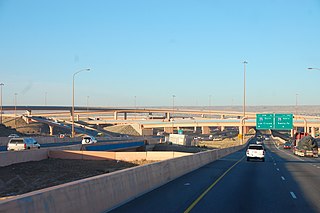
275	164
293	195
283	178
210	187
278	169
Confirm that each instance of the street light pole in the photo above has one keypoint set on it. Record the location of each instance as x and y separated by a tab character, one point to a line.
244	89
244	96
15	110
72	111
1	84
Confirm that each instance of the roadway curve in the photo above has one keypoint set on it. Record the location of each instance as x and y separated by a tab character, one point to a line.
283	183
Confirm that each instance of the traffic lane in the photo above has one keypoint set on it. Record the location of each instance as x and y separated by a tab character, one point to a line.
304	171
253	186
177	195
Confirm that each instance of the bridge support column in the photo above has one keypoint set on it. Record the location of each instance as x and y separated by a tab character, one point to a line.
115	115
168	115
291	132
205	130
168	130
240	130
222	128
222	117
51	130
125	116
313	131
195	129
77	117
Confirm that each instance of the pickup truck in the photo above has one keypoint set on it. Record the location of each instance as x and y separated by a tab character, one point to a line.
255	151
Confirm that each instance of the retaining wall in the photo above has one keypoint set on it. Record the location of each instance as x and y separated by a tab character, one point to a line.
8	158
123	156
104	192
42	140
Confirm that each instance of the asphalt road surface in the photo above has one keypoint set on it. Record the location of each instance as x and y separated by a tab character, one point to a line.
283	183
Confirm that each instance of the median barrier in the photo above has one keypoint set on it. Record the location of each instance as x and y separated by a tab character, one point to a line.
107	191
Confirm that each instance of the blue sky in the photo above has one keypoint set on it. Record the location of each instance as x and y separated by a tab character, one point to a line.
192	49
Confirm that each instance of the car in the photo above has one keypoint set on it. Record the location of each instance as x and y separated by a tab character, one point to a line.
13	136
88	140
18	144
255	151
287	145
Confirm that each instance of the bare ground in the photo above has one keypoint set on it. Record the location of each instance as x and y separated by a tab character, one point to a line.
30	176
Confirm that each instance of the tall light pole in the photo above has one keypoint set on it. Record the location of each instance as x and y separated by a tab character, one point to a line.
297	103
15	110
173	96
72	111
88	103
135	107
244	89
244	97
1	85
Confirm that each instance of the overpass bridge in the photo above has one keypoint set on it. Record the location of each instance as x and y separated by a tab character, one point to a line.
168	120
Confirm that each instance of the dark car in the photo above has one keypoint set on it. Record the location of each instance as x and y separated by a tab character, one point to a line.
287	145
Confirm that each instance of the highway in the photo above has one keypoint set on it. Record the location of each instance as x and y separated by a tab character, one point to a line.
283	183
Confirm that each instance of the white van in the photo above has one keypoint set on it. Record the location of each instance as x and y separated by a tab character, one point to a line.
17	144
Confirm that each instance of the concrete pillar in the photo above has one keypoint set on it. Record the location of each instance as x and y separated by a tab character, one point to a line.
77	117
205	130
313	131
195	129
168	129
222	128
168	115
222	117
51	130
125	116
115	115
202	115
240	130
292	132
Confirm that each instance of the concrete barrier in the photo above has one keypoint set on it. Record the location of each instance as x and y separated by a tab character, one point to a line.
12	157
123	156
107	191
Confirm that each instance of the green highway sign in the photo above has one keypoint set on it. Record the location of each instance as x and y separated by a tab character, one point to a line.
265	121
283	121
274	121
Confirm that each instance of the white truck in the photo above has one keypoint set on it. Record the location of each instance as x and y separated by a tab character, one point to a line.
255	151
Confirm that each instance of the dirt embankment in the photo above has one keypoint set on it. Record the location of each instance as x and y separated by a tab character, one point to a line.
30	176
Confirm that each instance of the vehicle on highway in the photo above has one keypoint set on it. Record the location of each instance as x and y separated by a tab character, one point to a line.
307	146
255	151
13	136
287	145
88	140
17	144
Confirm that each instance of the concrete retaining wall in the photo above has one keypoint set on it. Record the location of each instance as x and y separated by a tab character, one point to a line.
104	192
8	158
124	156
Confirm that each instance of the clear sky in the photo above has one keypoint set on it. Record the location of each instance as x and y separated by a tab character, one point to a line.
150	49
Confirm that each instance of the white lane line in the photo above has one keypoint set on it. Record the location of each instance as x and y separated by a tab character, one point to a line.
283	178
278	169
293	195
